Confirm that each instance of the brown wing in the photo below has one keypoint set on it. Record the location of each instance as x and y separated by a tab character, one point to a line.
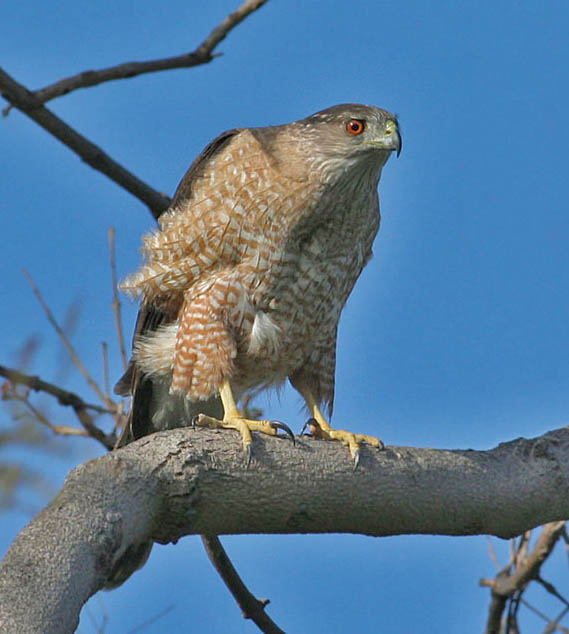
184	189
133	382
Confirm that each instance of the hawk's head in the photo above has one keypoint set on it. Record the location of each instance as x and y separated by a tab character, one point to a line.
334	141
352	128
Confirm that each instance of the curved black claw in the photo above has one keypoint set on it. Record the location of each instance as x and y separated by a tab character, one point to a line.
194	421
356	459
249	452
275	424
311	422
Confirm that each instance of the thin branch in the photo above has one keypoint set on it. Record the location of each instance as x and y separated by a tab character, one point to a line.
523	548
232	20
530	568
492	553
76	361
116	302
20	97
144	625
31	104
60	430
506	584
512	626
251	607
552	590
64	397
495	611
203	54
107	440
105	352
554	625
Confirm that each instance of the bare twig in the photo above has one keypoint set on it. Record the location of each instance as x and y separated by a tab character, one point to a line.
105	351
20	97
31	104
523	547
144	625
232	20
77	362
506	584
116	302
512	626
554	625
60	430
107	440
251	607
492	553
64	397
530	568
552	590
203	54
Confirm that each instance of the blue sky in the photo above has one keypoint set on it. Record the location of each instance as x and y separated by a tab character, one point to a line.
456	334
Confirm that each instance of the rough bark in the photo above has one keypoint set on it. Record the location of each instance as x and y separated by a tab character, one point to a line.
195	481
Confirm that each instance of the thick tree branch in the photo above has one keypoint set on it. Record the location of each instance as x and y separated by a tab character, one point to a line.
191	481
201	55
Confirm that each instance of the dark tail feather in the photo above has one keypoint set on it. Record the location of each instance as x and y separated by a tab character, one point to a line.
138	425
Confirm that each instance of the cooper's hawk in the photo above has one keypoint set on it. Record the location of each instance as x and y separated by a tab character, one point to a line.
244	281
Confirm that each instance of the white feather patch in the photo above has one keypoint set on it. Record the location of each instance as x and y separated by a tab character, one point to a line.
265	334
155	353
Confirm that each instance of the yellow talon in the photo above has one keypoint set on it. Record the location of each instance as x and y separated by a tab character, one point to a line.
320	428
234	419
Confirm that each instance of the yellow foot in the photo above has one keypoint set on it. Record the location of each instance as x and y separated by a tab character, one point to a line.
233	419
319	428
347	438
244	426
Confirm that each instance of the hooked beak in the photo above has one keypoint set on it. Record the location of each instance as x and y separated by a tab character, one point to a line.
391	140
398	142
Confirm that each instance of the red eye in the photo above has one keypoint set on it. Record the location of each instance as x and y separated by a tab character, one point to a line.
355	126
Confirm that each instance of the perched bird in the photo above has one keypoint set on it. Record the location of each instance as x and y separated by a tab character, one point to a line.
245	278
243	283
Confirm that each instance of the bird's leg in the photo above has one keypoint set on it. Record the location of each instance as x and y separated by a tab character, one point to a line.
234	419
320	428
